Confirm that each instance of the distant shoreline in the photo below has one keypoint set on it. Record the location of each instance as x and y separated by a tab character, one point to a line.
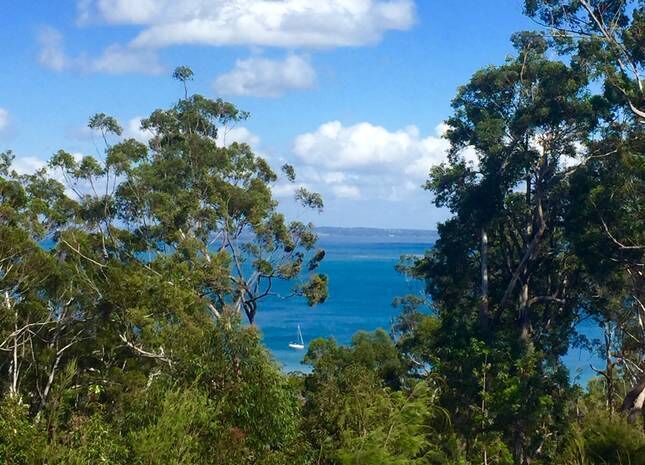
376	235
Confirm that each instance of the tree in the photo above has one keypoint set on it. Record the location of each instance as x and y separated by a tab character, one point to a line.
185	198
40	311
503	280
604	38
183	74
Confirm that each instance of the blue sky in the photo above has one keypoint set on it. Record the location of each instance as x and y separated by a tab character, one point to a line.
351	92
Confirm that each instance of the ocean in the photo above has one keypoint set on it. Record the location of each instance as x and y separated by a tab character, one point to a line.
363	283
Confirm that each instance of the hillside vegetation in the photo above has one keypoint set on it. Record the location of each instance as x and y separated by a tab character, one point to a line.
130	283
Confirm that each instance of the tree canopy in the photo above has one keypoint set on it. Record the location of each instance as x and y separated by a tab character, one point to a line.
130	283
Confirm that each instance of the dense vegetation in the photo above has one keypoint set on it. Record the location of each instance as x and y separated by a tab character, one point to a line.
129	285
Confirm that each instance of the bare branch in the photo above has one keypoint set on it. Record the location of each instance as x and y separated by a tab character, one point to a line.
160	356
615	241
78	251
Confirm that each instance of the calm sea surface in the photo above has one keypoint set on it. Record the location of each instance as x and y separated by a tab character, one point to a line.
362	285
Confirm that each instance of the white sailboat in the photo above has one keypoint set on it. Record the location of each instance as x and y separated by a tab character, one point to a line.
300	345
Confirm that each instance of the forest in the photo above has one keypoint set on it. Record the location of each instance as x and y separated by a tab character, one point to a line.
130	284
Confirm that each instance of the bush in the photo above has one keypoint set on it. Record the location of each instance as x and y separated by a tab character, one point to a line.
21	442
600	440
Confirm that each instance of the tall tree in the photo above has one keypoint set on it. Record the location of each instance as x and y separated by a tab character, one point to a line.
604	35
187	198
502	277
605	38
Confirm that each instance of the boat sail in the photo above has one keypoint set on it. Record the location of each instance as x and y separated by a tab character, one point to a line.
300	345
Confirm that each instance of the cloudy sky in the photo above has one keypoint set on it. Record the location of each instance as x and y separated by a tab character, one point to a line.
353	93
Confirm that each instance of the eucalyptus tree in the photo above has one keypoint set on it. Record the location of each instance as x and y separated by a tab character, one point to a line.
503	279
43	313
605	38
186	199
120	274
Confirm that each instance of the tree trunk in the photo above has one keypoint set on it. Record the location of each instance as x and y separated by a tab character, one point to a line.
250	309
633	403
523	317
609	369
14	366
50	382
484	313
519	453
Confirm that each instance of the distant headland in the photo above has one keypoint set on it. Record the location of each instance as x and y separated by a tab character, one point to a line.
375	235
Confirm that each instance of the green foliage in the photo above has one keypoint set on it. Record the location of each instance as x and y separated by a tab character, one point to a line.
599	440
121	333
309	199
190	202
535	238
183	73
22	442
181	433
289	172
316	289
357	411
393	431
605	39
90	440
121	338
496	274
105	124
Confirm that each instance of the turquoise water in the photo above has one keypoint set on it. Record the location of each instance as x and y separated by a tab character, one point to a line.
363	283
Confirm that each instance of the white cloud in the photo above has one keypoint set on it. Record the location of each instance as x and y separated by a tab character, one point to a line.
4	118
278	23
345	191
133	130
334	177
27	165
287	190
52	53
239	134
441	129
262	77
115	59
369	147
369	161
119	12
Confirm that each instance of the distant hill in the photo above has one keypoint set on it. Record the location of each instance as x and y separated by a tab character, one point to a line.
376	235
